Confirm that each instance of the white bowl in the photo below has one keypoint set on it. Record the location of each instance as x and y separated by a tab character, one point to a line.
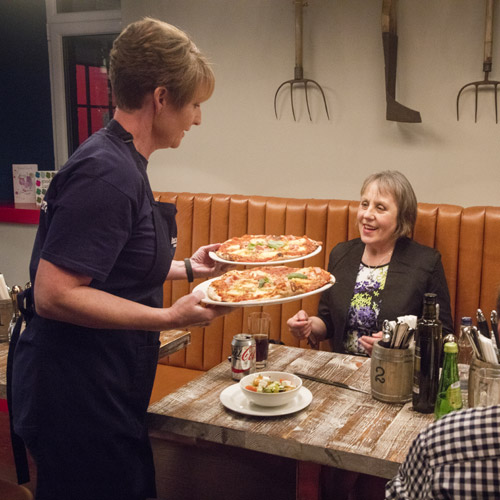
271	399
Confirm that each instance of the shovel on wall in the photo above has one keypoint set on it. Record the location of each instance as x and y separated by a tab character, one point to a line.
395	111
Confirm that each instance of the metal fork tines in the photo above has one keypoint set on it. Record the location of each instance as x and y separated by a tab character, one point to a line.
487	65
298	80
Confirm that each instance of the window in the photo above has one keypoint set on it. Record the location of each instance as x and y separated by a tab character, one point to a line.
89	102
64	6
79	44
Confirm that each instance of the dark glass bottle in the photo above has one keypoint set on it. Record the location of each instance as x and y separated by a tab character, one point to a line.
449	397
428	347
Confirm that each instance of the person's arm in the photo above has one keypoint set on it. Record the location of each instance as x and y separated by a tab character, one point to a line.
302	326
202	265
368	341
63	295
414	478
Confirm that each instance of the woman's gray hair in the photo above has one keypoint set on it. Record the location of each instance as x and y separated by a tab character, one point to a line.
149	54
396	184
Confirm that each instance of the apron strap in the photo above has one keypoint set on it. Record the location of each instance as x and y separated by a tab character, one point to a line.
18	448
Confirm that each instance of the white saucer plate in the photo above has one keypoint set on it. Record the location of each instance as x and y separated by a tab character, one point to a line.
249	303
233	399
214	256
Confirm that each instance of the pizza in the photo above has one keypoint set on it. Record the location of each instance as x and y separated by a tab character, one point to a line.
268	282
266	248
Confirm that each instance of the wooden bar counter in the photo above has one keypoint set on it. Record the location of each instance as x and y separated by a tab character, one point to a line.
340	428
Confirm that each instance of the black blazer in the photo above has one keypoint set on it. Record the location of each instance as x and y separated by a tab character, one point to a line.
414	270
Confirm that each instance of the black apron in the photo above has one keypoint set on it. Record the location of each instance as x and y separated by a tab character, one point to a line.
89	393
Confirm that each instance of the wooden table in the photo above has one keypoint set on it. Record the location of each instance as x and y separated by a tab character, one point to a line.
4	349
170	341
340	428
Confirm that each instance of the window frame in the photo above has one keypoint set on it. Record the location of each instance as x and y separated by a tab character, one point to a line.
101	22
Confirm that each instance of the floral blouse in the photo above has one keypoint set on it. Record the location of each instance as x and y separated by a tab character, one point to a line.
365	306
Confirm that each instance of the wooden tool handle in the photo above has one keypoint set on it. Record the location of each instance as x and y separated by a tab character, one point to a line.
389	16
298	38
488	36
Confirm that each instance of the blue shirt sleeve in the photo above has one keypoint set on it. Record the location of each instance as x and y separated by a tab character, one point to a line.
90	222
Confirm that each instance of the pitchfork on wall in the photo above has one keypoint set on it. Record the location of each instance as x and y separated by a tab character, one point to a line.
299	79
487	64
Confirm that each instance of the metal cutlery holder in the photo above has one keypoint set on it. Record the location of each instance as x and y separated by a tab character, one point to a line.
391	374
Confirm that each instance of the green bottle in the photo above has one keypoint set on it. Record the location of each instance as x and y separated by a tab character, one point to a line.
449	397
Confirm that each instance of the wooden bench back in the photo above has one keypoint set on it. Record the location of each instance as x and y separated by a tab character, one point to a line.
468	239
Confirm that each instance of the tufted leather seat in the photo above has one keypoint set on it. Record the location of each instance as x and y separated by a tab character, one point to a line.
468	239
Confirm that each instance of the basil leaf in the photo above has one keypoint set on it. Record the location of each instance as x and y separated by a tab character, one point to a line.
263	281
275	244
297	276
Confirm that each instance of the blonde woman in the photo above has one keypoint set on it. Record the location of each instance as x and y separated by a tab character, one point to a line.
84	367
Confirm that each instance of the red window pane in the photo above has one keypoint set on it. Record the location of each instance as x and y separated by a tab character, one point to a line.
98	86
81	85
82	125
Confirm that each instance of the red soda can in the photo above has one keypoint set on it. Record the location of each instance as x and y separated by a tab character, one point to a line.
242	355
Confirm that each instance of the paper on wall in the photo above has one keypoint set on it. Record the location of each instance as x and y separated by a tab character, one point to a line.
4	291
42	180
23	178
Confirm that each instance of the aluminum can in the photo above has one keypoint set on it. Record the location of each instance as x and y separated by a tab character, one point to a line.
242	355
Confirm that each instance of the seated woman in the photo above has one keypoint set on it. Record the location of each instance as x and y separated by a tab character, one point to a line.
381	275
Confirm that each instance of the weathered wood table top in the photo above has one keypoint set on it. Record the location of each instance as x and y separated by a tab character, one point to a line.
170	341
340	428
4	349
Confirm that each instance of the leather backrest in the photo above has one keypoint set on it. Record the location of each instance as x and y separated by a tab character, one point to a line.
466	238
479	261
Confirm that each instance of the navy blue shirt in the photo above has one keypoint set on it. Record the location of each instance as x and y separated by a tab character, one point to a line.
97	219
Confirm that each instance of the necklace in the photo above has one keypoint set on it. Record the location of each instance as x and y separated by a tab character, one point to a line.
373	269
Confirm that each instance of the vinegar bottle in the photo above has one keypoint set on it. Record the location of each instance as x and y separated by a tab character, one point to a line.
428	342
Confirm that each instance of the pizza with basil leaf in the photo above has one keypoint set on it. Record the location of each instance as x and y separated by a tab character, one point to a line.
267	283
262	248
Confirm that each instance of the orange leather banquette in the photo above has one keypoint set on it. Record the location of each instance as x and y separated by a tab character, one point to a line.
468	239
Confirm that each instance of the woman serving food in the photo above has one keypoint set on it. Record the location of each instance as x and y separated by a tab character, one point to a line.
381	275
85	365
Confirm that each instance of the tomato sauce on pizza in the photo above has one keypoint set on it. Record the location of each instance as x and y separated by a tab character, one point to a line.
266	248
265	283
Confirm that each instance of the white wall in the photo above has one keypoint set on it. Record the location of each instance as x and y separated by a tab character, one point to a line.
16	242
242	148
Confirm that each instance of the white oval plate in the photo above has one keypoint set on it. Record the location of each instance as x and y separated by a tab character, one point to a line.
248	303
233	399
214	256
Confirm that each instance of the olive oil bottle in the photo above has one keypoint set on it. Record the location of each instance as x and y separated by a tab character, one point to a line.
428	342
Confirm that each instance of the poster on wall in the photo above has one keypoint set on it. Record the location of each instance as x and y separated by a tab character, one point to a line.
23	178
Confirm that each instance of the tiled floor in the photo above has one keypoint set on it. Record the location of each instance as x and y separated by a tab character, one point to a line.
7	467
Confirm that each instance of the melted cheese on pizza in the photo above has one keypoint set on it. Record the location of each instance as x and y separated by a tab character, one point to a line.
266	283
266	248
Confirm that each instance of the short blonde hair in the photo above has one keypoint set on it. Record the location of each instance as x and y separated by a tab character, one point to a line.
395	183
149	54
